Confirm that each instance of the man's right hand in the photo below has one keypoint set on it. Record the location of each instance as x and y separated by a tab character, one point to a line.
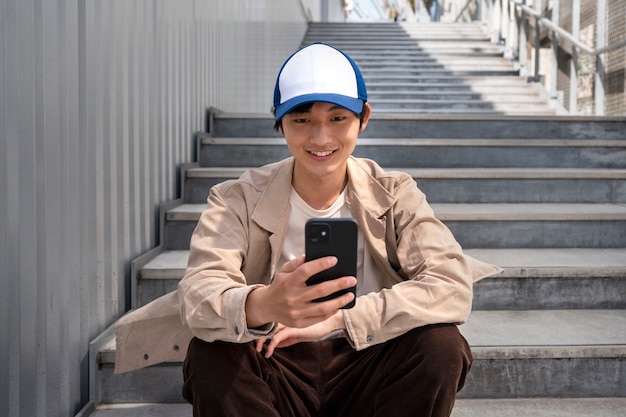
289	301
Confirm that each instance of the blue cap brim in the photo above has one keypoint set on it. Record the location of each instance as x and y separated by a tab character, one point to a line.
353	104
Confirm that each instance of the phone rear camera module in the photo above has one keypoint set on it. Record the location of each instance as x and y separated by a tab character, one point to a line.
319	233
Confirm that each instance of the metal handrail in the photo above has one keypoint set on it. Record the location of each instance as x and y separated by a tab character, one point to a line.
556	28
306	13
456	19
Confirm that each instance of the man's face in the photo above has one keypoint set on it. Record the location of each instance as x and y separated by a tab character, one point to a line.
321	139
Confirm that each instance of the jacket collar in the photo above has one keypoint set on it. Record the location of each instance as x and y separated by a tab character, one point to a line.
365	192
367	189
272	208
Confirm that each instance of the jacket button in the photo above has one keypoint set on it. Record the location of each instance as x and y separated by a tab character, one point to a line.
176	348
145	356
369	339
236	330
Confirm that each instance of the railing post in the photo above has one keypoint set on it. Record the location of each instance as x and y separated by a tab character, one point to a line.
483	11
554	60
538	9
573	81
506	24
600	75
523	40
494	23
512	39
324	11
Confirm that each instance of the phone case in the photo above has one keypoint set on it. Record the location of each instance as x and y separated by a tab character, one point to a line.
332	237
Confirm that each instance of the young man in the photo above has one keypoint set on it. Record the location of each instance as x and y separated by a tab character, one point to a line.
262	346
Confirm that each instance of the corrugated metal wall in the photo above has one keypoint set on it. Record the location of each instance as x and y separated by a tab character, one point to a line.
99	104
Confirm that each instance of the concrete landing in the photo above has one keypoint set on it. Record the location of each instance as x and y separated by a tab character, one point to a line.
520	407
541	407
143	410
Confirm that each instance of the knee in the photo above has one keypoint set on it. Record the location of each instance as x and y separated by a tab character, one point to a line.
213	366
442	353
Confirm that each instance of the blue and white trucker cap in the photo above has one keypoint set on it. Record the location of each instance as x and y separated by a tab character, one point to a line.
319	72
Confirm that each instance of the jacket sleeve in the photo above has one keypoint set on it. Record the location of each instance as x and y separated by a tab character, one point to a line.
435	278
213	292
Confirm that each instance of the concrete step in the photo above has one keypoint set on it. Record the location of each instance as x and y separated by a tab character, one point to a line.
372	37
460	106
373	33
374	40
554	278
436	65
435	44
522	111
437	70
421	26
467	64
416	126
517	354
441	77
464	184
476	185
487	225
143	410
451	82
381	33
404	153
383	90
541	407
535	225
546	353
481	51
522	407
400	61
446	95
455	98
486	110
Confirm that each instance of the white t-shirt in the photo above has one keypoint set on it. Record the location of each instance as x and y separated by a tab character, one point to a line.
301	212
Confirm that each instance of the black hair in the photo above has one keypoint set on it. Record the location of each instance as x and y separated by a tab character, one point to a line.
305	108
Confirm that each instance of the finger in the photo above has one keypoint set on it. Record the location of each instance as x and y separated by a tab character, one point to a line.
320	311
318	265
292	265
282	333
259	344
269	348
332	286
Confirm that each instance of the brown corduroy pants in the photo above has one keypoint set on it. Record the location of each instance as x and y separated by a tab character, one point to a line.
416	374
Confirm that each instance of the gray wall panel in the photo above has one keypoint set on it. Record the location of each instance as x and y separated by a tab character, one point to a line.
99	103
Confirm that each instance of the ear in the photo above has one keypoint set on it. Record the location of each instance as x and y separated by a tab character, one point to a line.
366	117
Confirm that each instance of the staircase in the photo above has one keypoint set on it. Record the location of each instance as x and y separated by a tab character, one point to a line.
437	68
542	196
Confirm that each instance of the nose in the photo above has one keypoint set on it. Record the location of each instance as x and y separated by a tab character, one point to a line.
319	134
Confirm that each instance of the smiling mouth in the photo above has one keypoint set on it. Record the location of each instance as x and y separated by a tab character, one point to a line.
321	154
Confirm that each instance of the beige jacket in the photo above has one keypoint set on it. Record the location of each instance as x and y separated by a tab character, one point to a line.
422	275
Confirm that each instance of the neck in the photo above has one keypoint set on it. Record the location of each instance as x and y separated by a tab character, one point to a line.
320	194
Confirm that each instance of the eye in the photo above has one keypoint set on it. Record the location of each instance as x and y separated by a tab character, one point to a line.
338	118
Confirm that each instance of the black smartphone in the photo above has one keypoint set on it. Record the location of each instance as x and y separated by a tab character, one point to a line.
332	237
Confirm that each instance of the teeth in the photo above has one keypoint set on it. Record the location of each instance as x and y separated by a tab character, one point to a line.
322	153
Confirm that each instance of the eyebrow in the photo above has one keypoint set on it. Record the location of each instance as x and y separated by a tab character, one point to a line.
337	107
333	108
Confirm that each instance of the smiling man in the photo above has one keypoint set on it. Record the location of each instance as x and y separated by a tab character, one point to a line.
262	345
